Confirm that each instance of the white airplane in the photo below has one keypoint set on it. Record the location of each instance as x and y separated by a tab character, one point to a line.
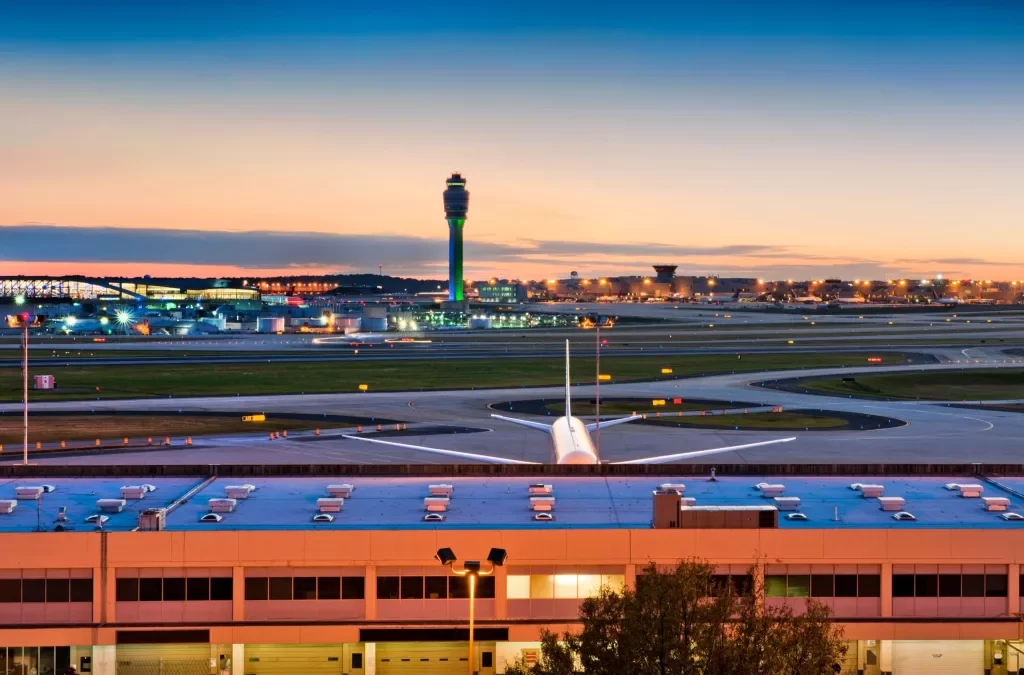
570	439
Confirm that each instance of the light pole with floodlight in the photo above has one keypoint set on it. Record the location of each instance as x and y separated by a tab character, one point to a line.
471	569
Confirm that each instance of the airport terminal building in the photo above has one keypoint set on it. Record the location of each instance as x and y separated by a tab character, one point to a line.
122	574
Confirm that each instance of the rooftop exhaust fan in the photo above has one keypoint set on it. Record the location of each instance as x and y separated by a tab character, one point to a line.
796	516
544	516
1011	516
323	518
211	518
433	518
904	515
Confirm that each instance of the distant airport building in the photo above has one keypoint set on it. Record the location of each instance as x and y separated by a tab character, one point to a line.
501	291
456	207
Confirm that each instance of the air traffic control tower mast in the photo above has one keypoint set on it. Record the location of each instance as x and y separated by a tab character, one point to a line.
456	205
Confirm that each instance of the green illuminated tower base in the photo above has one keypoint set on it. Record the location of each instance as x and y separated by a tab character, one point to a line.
455	289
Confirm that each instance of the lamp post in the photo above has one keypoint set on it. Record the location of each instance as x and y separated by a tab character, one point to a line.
25	318
597	397
471	569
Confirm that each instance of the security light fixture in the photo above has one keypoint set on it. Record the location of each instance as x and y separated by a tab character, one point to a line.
445	556
497	556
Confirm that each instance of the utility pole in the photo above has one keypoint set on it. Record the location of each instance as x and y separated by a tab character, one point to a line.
597	397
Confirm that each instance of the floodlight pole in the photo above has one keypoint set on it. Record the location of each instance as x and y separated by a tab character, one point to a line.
24	400
472	602
597	405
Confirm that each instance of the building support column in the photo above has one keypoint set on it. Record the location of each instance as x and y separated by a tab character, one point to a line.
886	590
630	581
370	598
99	599
1013	589
104	659
500	592
237	659
369	658
238	594
885	656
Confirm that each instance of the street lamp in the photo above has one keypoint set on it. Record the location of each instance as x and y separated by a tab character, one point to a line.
471	569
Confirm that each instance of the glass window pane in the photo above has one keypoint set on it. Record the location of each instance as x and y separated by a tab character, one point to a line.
869	585
223	588
81	590
46	660
775	585
588	585
127	590
903	585
58	590
174	589
565	586
33	590
436	588
822	585
846	585
151	590
10	591
353	588
995	586
412	588
304	588
197	589
973	585
485	587
614	582
458	587
743	584
255	588
542	586
926	585
387	588
280	588
949	585
328	588
799	586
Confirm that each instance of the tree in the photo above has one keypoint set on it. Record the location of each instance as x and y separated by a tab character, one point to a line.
688	621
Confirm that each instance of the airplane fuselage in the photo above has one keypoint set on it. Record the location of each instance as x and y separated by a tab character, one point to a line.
571	443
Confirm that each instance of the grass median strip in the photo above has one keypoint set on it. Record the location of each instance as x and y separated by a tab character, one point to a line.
956	385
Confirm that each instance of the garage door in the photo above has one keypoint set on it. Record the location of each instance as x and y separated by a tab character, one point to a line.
184	659
294	659
422	658
938	657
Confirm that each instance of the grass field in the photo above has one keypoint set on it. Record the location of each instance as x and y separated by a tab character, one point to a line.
107	427
77	382
959	385
760	421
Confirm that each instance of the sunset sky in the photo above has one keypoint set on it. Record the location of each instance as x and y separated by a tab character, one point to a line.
777	139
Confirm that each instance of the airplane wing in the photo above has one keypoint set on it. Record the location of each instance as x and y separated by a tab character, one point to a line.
539	426
612	423
665	459
450	453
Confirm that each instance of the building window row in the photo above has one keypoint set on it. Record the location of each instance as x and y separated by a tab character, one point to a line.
432	587
949	585
174	589
305	588
561	586
45	590
822	585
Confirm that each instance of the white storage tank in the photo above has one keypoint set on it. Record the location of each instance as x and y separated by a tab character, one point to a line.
373	324
270	324
480	322
348	323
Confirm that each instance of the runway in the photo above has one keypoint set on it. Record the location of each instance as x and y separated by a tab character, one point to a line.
935	431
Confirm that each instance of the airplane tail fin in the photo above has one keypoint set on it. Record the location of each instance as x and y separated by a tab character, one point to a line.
568	412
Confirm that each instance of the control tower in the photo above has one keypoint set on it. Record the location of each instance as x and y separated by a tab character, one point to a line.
456	205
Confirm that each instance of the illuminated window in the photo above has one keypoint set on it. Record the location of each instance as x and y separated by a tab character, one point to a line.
588	585
518	587
542	586
565	586
614	582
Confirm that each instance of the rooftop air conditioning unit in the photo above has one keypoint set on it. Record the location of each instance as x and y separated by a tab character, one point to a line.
323	518
771	489
787	503
153	520
687	501
440	490
673	487
28	492
330	504
238	491
871	491
542	503
892	503
952	486
133	492
433	518
971	491
436	503
540	489
8	505
995	503
344	490
110	505
222	505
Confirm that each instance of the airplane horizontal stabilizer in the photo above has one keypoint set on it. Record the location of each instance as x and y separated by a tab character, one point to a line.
666	459
438	451
611	423
539	426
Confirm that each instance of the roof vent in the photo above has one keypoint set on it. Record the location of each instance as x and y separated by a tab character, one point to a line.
904	515
149	487
787	503
133	492
48	488
672	487
434	518
771	489
796	516
995	503
544	516
323	518
62	514
442	490
8	505
542	503
110	505
28	492
869	491
222	505
211	518
971	491
952	486
344	490
153	519
687	501
330	504
856	486
1010	515
436	503
238	491
540	489
97	518
892	503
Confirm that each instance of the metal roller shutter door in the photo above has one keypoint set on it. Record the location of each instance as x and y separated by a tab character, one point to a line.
181	659
938	657
294	659
422	658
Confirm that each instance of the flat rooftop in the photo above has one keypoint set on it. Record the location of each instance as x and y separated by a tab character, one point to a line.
502	502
